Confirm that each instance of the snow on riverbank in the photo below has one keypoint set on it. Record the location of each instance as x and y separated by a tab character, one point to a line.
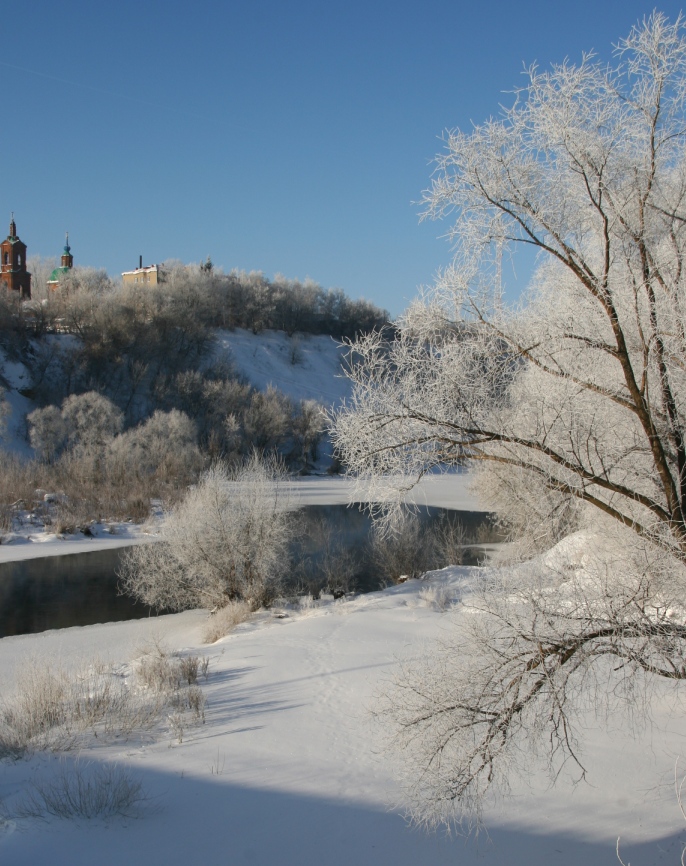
449	490
41	542
288	770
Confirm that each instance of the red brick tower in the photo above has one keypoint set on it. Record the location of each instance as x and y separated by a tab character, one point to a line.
13	273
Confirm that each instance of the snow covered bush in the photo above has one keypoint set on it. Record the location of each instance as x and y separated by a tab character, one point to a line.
267	420
309	425
47	433
573	403
323	561
586	626
436	596
103	472
164	446
56	710
90	420
403	549
227	540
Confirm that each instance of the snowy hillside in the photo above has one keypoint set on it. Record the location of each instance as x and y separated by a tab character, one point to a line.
305	366
288	768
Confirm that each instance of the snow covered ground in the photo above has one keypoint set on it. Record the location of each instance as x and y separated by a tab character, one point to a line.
449	490
34	544
288	770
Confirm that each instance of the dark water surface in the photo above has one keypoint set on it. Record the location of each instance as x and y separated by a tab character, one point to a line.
62	591
81	589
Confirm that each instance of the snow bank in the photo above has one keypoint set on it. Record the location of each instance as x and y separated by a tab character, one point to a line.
447	491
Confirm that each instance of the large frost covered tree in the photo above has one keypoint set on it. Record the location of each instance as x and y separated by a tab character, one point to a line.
571	405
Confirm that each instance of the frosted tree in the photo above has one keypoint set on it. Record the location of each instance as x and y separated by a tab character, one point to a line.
91	419
85	422
572	403
227	541
164	446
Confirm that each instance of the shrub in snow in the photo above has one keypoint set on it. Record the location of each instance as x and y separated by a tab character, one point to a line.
223	620
227	541
84	791
85	422
309	424
53	709
450	539
47	432
331	566
436	596
91	420
267	420
164	446
307	602
403	549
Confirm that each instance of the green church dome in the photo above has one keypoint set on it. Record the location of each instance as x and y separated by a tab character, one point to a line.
57	273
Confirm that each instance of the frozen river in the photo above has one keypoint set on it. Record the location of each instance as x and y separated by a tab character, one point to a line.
442	491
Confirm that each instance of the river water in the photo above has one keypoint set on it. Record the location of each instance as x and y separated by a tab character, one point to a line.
81	589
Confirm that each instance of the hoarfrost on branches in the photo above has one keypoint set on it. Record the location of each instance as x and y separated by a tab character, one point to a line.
228	540
569	406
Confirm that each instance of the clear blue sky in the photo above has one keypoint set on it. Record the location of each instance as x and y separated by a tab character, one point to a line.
287	137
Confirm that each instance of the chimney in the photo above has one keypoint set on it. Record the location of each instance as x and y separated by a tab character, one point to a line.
140	262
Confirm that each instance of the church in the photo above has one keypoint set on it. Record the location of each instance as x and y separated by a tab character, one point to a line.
13	273
66	264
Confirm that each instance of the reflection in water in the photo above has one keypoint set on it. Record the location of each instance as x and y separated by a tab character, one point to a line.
334	531
81	589
61	591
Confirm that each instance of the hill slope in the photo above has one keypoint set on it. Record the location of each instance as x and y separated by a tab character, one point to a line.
305	366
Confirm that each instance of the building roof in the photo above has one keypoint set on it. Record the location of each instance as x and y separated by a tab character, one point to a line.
142	270
57	273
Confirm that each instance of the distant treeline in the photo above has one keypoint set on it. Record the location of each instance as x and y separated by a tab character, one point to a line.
150	347
251	301
132	400
238	299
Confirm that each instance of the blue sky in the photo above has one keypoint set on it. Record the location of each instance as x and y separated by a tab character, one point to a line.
287	137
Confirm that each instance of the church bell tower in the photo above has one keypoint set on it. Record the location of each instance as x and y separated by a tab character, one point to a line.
13	273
